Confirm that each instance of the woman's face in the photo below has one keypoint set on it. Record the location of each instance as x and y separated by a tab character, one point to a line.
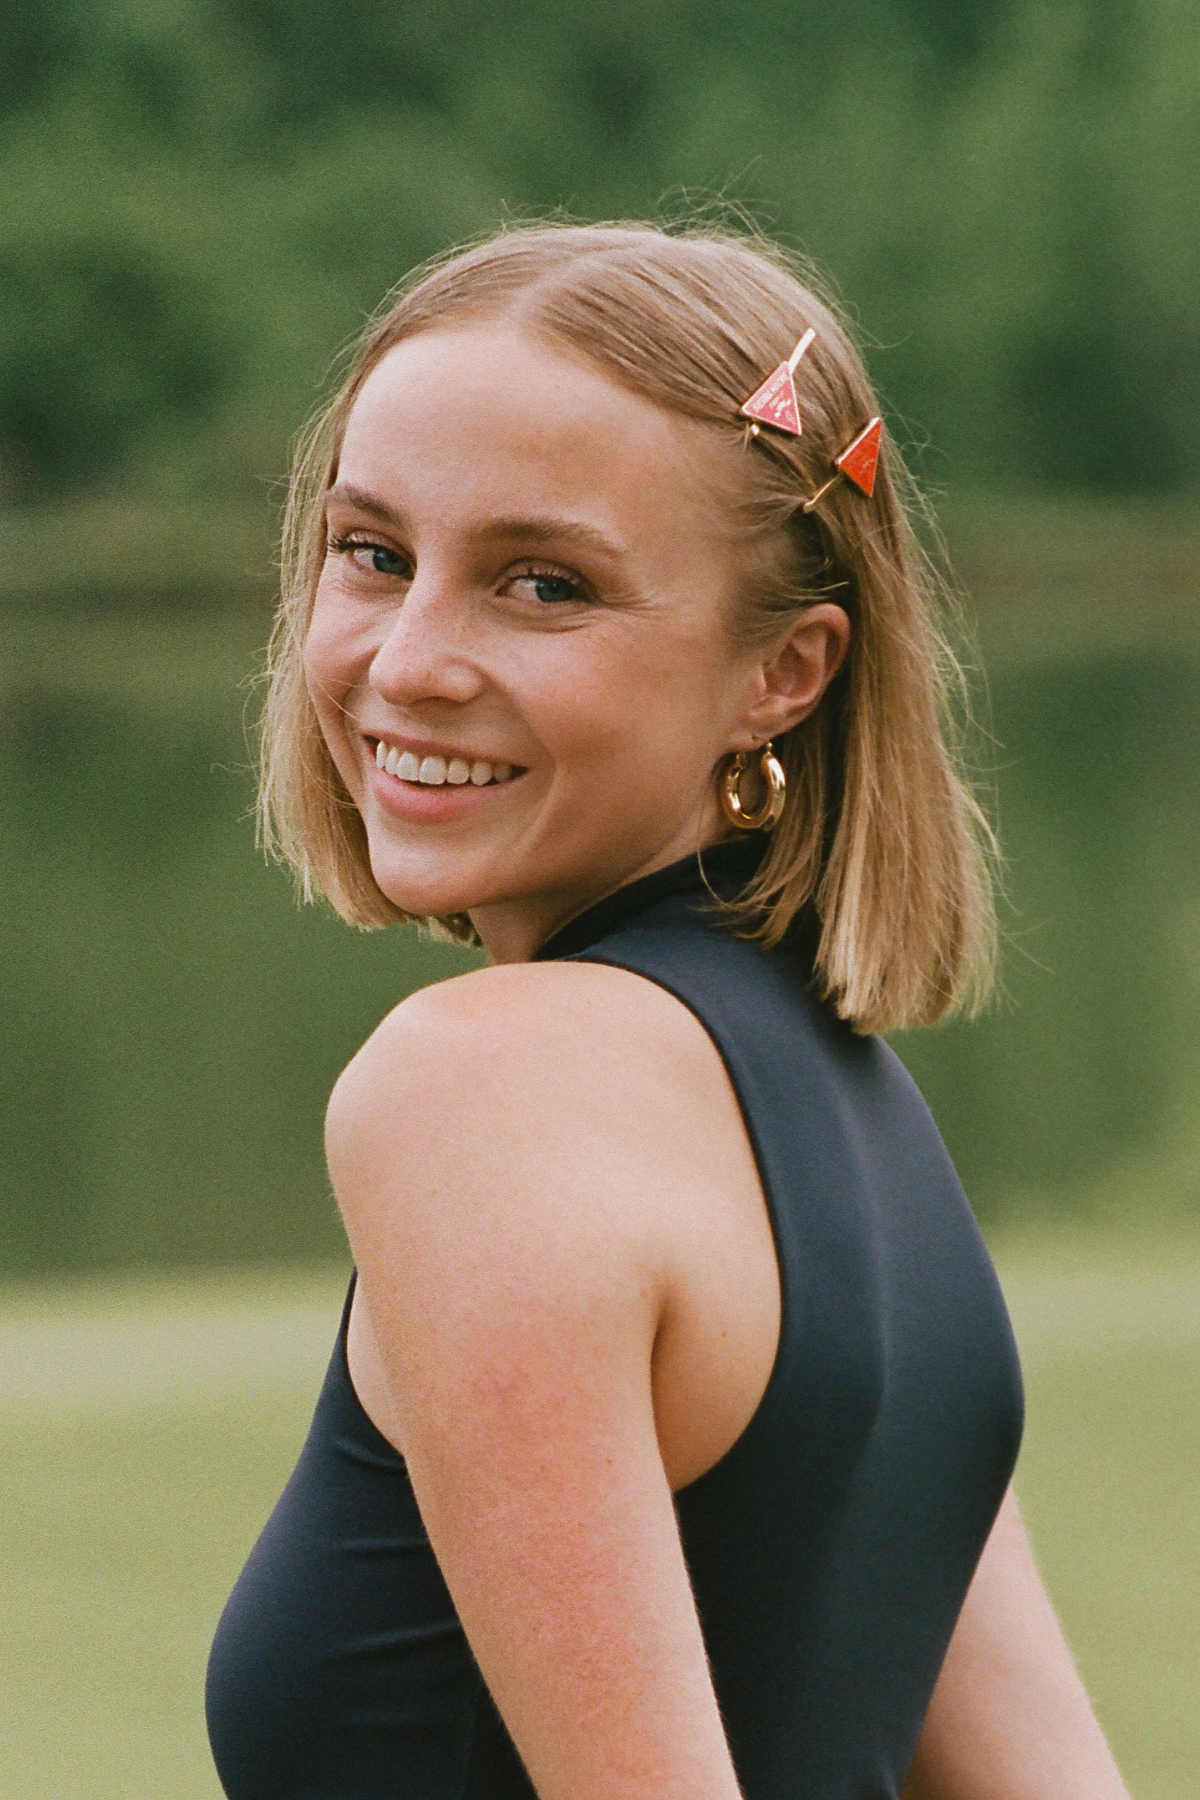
526	597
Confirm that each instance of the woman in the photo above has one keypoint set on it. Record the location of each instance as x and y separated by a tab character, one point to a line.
666	1447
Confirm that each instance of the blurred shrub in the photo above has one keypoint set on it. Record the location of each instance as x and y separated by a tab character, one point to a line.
205	196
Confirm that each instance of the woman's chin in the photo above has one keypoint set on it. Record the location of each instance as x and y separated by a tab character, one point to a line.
422	901
423	893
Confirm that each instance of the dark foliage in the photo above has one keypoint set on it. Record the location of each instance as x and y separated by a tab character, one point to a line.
205	196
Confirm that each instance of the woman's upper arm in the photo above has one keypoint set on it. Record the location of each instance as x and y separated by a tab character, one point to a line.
498	1182
1009	1718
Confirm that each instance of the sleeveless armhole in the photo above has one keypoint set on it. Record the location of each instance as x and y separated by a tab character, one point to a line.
766	1399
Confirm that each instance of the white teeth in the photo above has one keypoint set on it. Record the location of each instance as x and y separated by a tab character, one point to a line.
434	771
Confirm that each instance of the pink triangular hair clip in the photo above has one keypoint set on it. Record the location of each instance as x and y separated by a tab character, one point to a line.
775	402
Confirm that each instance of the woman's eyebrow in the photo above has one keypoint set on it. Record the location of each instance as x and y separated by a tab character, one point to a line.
539	528
545	528
364	502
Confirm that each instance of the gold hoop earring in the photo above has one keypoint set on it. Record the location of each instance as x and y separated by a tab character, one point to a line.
769	813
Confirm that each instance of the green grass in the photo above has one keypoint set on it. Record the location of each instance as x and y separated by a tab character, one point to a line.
1110	1478
148	1425
147	1429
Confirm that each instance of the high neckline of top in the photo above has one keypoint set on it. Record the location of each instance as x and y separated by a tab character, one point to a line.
722	870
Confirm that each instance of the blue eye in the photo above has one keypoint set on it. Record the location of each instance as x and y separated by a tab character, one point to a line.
385	562
549	587
369	558
554	589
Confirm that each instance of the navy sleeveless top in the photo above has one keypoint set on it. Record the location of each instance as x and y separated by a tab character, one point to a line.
829	1550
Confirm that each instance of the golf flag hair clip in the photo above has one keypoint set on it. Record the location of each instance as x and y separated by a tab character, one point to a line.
775	403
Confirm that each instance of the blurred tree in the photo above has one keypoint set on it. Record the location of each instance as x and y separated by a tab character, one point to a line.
206	196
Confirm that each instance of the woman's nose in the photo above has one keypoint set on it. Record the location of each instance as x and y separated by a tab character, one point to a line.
428	651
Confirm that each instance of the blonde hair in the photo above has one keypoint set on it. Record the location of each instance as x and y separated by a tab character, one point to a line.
880	833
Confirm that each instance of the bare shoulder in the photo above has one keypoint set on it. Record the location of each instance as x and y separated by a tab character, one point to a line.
526	1033
562	1001
544	1172
510	1077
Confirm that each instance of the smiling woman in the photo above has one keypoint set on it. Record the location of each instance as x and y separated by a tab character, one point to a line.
665	1446
563	612
600	320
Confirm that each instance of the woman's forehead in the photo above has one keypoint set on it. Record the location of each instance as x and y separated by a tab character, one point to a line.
493	409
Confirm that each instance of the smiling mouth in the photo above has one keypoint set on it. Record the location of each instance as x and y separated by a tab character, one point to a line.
442	771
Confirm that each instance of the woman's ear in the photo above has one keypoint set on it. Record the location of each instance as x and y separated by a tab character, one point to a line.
792	677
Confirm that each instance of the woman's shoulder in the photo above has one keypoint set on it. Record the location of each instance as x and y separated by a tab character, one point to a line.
530	1068
562	1019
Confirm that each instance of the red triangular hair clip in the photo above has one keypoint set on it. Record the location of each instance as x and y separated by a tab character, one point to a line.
858	463
775	402
860	459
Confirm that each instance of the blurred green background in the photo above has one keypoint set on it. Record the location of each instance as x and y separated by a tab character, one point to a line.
202	201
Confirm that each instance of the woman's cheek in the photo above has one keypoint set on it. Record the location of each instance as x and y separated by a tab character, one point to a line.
329	682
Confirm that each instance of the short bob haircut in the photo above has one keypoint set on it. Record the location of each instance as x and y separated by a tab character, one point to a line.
880	835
